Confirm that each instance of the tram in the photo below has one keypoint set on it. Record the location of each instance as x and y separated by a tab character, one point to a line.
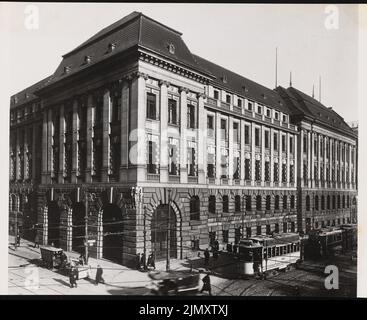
323	242
265	253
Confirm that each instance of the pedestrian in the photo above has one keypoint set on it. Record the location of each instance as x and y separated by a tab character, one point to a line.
18	238
229	247
206	256
72	277
216	245
151	261
206	286
36	239
138	261
99	278
143	263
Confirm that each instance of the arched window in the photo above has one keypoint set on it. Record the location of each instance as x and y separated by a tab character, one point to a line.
225	204
334	202
258	202
237	203
328	202
293	201
285	202
211	205
195	208
338	201
276	202
343	201
268	202
316	202
322	202
308	204
248	203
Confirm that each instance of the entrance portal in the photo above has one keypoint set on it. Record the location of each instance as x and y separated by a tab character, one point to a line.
112	233
159	232
53	224
78	233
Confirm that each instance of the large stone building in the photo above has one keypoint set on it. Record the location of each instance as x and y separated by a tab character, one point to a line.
131	121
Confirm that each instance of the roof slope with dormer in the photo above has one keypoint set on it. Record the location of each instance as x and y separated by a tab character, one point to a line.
302	105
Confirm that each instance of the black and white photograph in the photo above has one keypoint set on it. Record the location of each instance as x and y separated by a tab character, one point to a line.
181	149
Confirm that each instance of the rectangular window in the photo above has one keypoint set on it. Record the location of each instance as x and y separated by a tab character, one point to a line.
268	113
191	117
284	144
228	98
247	169
267	135
267	171
153	154
191	159
210	126
151	106
284	118
284	173
276	115
247	134
259	109
257	137
239	103
216	94
257	170
210	161
249	105
173	156
223	129
172	112
276	172
291	145
116	108
275	142
236	164
224	163
236	133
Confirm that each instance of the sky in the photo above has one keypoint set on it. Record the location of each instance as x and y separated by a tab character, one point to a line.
239	37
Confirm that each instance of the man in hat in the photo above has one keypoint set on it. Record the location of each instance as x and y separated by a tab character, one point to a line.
99	275
206	286
206	257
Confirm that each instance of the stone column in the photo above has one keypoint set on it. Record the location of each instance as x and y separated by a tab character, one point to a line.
271	143
75	151
89	140
280	157
288	156
350	166
262	132
252	154
183	119
295	165
44	148
230	150
125	104
218	149
319	139
164	138
242	153
201	140
106	165
300	156
62	143
311	144
49	143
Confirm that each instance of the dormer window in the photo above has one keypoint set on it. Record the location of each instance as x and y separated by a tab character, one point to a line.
224	78
15	99
264	96
67	69
111	47
171	48
87	59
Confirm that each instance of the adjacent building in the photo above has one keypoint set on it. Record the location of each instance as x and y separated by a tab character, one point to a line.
156	149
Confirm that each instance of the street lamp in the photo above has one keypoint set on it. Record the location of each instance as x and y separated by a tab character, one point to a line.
88	197
168	231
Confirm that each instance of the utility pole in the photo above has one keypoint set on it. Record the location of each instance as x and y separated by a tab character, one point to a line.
168	231
86	225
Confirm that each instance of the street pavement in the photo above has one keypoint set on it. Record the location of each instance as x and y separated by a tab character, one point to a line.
25	277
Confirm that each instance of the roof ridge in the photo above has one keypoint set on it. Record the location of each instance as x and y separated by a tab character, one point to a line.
161	24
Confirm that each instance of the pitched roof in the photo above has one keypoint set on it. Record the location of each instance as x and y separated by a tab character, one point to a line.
27	94
301	104
243	86
133	30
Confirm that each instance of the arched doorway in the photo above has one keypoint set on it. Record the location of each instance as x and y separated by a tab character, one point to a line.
78	224
53	217
159	232
112	233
